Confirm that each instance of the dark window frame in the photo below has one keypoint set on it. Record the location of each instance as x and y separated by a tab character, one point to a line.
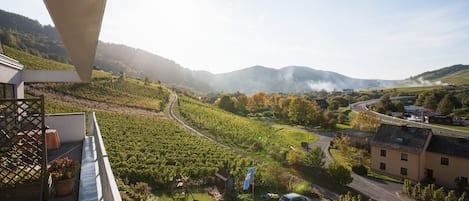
444	161
403	171
382	166
404	157
383	152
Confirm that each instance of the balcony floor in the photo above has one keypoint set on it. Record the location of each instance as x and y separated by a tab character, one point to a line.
74	152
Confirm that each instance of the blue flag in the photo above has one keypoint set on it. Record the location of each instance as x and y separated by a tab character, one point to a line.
249	176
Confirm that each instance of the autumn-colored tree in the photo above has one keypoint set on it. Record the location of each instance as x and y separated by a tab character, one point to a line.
304	112
364	122
241	103
257	102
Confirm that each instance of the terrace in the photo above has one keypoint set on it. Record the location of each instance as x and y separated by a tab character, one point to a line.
24	156
27	145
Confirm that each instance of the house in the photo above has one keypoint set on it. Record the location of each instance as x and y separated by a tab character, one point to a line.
399	151
23	120
447	158
416	154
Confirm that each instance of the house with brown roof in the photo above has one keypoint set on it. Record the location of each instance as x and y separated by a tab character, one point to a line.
447	159
416	154
400	151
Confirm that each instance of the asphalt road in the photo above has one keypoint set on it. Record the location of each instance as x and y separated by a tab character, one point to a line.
373	188
361	106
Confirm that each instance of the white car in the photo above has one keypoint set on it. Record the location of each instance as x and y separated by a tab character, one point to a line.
294	197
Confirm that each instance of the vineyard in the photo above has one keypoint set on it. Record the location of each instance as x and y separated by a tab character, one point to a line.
157	149
126	92
104	87
242	133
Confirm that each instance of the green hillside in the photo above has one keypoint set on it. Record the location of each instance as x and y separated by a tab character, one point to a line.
456	74
104	86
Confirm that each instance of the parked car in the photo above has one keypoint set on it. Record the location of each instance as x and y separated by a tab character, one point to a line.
294	197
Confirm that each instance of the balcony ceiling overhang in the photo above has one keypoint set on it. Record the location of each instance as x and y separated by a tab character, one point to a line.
78	23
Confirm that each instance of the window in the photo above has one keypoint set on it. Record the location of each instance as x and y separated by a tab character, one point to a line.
444	161
404	157
382	152
403	171
7	91
382	166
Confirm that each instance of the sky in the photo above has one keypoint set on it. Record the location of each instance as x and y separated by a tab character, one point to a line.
386	39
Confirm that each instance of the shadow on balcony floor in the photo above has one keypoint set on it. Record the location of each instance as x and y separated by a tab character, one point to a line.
74	152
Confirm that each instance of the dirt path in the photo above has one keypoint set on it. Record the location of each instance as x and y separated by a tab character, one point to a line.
91	104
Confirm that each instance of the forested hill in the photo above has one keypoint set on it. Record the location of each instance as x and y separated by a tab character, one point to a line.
29	35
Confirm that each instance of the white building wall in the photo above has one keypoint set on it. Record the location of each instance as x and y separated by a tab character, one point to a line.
10	72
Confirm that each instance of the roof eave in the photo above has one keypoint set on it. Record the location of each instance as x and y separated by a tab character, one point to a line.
79	25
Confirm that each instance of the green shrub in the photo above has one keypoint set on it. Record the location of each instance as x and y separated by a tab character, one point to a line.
360	170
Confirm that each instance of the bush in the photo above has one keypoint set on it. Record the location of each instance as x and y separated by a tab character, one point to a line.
360	170
339	173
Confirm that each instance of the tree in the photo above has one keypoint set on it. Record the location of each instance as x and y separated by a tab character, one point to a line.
398	106
257	102
226	103
294	157
407	187
146	81
339	173
384	104
439	195
463	197
365	122
451	196
303	112
430	102
461	184
417	191
445	106
315	158
241	103
427	193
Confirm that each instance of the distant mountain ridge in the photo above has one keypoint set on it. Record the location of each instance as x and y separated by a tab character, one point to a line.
289	79
29	35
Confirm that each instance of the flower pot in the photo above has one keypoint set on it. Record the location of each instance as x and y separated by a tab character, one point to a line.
63	187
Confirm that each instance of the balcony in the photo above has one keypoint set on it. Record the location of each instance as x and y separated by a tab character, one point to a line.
95	181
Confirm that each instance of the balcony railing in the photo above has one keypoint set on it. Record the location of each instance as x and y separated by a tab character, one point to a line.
97	181
105	181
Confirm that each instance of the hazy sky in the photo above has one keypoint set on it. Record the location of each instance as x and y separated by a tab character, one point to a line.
364	39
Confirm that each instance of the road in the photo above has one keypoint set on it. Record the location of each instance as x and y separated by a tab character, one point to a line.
362	106
373	188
